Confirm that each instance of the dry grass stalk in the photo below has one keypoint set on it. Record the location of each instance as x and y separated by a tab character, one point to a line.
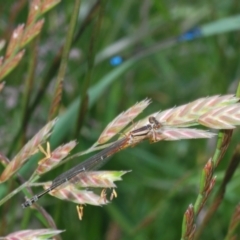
27	151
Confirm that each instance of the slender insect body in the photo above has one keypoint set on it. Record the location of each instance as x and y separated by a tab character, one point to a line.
135	136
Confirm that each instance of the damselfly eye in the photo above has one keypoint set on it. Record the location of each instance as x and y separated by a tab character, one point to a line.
155	123
151	119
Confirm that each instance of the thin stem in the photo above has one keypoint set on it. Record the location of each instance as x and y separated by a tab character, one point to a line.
29	84
90	64
14	192
64	61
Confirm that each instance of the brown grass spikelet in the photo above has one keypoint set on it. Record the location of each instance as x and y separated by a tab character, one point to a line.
174	134
122	121
53	158
32	32
48	4
33	234
72	194
34	11
189	226
188	114
8	66
27	151
74	190
208	175
226	117
206	194
206	184
98	179
15	41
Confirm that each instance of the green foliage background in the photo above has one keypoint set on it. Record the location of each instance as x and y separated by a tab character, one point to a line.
165	176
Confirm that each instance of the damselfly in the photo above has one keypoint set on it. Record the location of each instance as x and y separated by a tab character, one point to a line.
134	136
